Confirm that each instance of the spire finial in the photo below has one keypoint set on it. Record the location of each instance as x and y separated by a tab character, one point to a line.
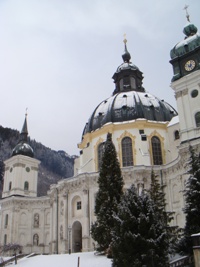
125	41
26	114
126	56
187	14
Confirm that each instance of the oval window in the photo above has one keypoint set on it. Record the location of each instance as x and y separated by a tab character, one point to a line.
194	93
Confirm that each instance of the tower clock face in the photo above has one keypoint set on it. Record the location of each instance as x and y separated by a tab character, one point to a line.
190	65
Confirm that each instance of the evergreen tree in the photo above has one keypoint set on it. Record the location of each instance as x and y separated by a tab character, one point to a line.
2	170
137	236
171	233
110	183
192	206
12	247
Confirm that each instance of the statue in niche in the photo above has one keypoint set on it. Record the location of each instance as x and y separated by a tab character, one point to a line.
61	232
61	208
36	220
35	240
140	188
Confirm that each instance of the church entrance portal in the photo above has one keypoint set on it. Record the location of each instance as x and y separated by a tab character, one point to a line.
76	237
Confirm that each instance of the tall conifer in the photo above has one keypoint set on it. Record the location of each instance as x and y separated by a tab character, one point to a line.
170	233
192	206
110	183
138	236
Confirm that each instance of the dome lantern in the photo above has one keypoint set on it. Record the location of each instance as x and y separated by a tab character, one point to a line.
127	77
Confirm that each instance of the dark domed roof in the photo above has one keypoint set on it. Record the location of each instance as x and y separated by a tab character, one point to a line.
129	101
190	29
127	65
127	106
23	148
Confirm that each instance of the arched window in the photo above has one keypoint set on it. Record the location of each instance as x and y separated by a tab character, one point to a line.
6	221
5	239
176	135
156	150
100	154
26	185
10	186
197	119
127	152
35	240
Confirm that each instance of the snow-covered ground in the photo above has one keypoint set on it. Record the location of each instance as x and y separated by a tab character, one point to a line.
87	259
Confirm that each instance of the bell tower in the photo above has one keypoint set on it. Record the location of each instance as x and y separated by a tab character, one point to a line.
185	59
21	170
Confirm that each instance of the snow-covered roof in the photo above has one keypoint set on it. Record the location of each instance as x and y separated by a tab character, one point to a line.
128	106
174	121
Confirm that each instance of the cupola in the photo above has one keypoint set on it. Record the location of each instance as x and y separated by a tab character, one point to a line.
127	77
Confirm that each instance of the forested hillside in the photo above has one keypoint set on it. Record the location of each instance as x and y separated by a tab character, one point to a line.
55	165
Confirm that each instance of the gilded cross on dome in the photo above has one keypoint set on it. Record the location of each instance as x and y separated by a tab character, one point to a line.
187	15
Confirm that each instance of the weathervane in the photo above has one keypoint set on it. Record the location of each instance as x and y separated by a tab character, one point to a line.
187	15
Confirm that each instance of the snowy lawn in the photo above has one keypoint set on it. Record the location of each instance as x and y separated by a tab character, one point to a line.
87	259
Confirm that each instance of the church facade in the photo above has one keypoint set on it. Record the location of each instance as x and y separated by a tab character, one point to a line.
147	133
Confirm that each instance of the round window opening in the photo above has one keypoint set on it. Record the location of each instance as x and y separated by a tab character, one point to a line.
27	169
194	93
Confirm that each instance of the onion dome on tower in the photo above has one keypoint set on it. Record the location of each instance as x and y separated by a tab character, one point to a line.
129	100
23	148
185	56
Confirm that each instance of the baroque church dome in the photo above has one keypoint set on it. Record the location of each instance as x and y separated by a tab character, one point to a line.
129	100
23	148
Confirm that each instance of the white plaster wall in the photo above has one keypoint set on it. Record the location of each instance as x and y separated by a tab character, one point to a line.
88	159
187	106
16	172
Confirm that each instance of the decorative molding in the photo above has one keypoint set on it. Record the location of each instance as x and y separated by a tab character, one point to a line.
185	92
19	165
112	127
178	94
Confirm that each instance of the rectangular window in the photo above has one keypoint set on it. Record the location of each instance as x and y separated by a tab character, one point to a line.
141	131
143	137
78	205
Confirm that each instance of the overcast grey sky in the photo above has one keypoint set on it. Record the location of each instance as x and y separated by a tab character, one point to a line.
57	58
